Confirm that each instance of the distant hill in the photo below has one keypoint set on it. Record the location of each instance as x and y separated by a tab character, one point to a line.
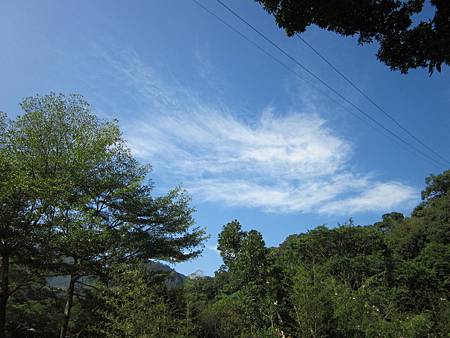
174	279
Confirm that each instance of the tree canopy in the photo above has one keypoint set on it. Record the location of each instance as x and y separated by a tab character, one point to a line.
404	43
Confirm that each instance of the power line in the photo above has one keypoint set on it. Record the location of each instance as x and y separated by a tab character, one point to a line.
294	72
273	57
234	13
371	119
389	116
288	68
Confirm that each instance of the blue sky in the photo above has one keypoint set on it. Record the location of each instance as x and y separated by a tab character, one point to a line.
246	138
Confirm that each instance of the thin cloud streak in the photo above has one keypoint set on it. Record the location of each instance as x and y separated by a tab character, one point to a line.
281	163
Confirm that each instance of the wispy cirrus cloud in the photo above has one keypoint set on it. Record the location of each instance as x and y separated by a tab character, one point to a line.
290	162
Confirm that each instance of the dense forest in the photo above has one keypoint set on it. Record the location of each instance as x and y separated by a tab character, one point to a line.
82	239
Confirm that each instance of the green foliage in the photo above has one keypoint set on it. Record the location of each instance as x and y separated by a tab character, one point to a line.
133	307
229	243
350	253
34	311
223	318
312	303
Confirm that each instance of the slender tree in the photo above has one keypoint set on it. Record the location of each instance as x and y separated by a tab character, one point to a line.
230	241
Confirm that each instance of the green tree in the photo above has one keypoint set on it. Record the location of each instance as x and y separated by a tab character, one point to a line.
434	211
249	285
349	253
312	303
198	294
403	44
229	243
224	318
100	211
88	159
34	310
133	305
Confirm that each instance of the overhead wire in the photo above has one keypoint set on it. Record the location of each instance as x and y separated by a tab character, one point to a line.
293	71
284	65
373	102
274	58
234	13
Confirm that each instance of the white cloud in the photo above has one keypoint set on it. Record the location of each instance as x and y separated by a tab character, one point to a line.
292	162
380	196
206	142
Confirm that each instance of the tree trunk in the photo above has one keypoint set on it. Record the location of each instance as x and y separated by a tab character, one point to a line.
4	291
68	307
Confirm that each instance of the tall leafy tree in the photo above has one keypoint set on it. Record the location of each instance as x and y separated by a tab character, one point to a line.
100	211
86	160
